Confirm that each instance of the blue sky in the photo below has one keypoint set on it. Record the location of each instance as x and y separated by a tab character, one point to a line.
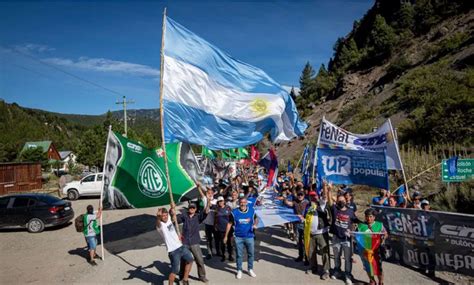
116	45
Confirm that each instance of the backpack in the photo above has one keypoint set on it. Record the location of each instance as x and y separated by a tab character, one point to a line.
79	223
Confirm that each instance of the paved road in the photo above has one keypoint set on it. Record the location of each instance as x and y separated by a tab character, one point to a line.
135	254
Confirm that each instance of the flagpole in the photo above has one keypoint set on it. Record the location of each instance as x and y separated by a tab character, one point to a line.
401	163
102	194
297	164
163	144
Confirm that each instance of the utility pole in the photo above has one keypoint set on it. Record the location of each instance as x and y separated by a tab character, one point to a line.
124	102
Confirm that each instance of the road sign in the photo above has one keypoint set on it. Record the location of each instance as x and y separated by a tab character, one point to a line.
465	171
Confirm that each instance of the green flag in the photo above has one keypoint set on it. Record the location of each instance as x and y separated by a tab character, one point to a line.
225	154
243	153
230	154
208	153
233	153
135	176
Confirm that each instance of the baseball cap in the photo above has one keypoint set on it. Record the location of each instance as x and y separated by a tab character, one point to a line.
425	202
220	198
312	193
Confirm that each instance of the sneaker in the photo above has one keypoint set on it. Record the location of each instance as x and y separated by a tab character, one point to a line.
204	280
348	281
239	274
185	282
231	259
92	262
252	274
299	259
335	275
325	276
97	257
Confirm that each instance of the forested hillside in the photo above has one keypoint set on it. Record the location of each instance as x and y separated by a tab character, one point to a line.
83	134
411	61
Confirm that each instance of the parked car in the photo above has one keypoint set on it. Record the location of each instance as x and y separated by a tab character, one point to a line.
91	185
34	211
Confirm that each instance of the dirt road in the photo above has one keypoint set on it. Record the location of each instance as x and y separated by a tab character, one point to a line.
135	254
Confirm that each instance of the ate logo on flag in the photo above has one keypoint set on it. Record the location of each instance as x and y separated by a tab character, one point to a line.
151	179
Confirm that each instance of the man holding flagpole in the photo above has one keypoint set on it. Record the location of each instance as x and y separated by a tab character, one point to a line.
176	251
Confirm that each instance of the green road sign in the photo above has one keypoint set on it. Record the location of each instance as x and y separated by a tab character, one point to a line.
465	171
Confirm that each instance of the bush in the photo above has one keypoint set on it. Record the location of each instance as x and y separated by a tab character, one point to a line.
458	198
439	104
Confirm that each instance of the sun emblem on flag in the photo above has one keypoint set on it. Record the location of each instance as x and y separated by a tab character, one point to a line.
259	106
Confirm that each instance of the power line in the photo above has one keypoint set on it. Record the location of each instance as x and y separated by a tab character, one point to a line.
65	72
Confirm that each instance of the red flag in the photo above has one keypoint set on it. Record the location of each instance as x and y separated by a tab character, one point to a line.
254	155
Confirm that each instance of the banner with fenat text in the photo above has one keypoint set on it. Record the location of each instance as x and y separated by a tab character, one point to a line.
353	167
430	240
332	136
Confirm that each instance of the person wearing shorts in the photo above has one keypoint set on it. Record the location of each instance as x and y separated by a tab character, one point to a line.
91	230
176	250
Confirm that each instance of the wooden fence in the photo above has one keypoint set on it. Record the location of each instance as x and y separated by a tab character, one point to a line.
19	177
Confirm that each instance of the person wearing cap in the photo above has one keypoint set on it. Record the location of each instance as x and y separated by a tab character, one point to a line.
176	250
373	226
341	227
299	206
416	198
317	219
191	239
222	217
425	205
91	230
245	222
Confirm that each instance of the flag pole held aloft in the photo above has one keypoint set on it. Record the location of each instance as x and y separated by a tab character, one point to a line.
163	143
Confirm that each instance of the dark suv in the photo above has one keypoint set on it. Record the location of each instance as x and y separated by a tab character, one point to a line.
34	211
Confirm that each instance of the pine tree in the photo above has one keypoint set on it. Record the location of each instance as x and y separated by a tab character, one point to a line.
293	93
382	38
306	82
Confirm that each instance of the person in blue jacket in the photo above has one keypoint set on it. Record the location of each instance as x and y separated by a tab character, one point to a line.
245	222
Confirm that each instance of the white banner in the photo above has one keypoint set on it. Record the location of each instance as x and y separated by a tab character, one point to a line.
332	136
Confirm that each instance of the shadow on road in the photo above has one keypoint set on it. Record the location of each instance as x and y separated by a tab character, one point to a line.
137	232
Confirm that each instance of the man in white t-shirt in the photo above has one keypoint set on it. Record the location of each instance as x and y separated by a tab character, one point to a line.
176	250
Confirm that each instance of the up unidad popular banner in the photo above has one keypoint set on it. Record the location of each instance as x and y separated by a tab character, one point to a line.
332	136
430	240
135	177
353	167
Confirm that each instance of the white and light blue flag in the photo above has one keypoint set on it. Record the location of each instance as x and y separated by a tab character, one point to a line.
215	100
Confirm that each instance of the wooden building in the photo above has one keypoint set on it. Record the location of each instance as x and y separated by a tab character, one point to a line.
46	146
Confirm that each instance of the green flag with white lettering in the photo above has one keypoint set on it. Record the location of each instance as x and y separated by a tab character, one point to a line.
135	177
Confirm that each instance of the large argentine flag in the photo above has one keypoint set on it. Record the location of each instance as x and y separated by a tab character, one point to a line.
215	100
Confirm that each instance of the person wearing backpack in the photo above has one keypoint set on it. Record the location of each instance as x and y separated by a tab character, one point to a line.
91	230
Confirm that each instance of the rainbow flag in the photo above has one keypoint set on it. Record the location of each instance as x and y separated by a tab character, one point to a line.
367	245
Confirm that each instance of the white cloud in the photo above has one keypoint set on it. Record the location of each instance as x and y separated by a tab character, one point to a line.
106	65
288	88
33	48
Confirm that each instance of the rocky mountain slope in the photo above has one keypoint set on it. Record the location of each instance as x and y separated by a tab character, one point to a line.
364	97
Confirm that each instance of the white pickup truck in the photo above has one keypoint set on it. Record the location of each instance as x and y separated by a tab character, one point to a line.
91	185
